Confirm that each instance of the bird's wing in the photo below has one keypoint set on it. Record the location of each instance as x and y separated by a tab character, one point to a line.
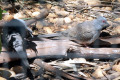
49	35
82	31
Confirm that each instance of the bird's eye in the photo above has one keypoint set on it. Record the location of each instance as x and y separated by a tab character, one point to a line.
103	21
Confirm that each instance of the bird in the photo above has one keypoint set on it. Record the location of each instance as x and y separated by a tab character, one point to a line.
14	34
84	33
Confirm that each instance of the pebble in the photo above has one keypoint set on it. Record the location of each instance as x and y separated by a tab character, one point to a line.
67	20
35	13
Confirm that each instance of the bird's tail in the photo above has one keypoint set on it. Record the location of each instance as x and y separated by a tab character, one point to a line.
49	35
23	56
24	61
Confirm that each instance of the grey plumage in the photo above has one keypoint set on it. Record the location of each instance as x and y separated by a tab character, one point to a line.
13	39
15	26
85	33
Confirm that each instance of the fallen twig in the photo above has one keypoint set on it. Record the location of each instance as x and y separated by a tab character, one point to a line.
55	71
59	49
43	14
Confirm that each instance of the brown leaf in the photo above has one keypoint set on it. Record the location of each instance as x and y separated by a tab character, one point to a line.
17	69
98	73
116	68
48	30
1	78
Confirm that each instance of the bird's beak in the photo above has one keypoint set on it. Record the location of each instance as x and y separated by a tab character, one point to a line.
106	25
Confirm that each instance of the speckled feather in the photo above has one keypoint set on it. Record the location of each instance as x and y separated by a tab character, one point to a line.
84	33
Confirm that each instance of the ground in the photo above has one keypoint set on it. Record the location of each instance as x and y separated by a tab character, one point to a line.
64	14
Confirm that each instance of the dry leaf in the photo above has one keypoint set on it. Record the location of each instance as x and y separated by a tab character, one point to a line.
93	2
37	9
71	16
116	68
8	17
118	0
62	13
52	15
117	30
106	66
17	69
79	60
117	19
35	13
19	15
108	8
49	6
78	15
48	30
1	78
59	21
98	73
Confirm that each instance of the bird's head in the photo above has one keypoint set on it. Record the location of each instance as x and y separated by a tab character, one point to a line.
102	21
